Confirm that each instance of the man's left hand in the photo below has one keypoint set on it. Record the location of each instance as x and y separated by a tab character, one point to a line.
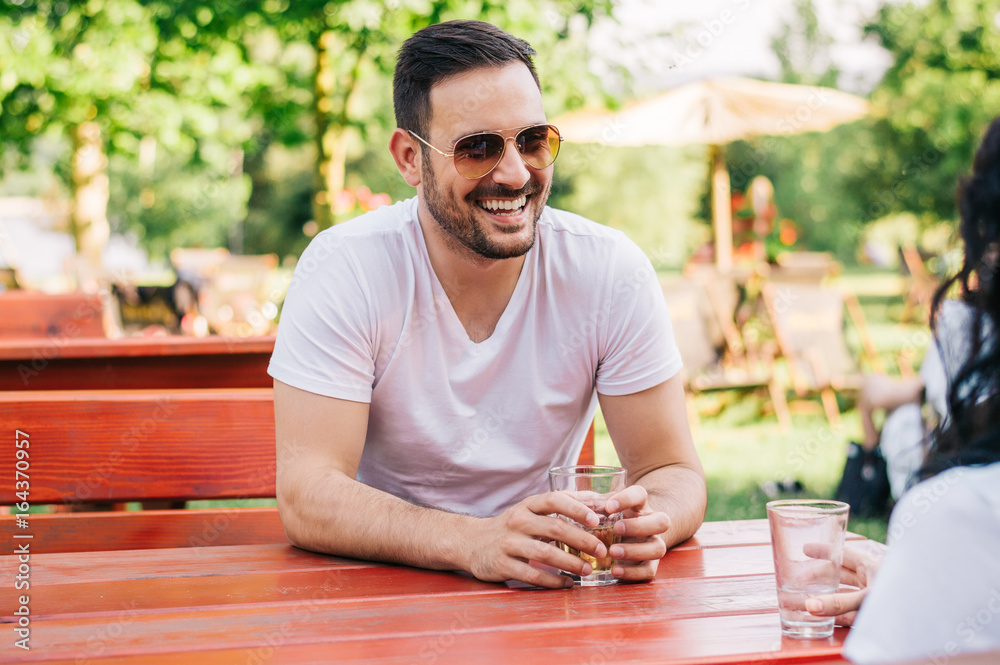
641	531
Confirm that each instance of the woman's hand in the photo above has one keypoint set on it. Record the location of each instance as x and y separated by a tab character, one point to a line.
860	563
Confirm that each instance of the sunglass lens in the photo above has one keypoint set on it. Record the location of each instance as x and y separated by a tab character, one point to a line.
538	145
475	156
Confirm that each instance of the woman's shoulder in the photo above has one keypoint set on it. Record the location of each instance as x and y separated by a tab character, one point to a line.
961	496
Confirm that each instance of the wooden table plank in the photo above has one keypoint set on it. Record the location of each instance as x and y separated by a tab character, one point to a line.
240	589
720	640
74	568
155	586
150	529
235	585
86	567
352	614
708	559
439	651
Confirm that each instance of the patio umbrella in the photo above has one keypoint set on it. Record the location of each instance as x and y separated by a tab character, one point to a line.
716	112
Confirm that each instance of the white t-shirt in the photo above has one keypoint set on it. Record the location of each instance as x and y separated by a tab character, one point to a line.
937	591
464	426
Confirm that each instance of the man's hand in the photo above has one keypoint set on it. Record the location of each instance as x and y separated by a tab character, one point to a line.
499	548
860	563
641	530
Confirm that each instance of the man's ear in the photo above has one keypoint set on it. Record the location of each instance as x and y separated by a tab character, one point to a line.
406	152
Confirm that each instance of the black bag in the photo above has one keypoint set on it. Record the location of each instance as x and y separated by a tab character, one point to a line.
865	483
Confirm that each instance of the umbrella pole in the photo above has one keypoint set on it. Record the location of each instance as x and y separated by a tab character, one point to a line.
722	212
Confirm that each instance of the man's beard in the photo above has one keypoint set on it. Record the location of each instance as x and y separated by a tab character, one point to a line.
462	227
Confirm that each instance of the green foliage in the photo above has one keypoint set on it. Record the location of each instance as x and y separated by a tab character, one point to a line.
929	112
935	101
216	83
803	49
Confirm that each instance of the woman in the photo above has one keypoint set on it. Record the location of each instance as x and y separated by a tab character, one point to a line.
937	588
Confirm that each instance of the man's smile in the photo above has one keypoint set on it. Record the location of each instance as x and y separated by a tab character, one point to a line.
503	207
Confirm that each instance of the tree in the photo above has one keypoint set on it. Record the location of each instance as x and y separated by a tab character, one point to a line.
929	111
355	43
197	90
76	71
803	49
934	102
99	75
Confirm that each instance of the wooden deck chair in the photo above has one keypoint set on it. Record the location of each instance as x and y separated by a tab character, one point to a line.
808	323
706	366
723	293
804	268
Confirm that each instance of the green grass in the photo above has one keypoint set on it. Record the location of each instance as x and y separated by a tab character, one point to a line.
741	450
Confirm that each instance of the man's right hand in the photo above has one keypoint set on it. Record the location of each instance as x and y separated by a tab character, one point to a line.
501	547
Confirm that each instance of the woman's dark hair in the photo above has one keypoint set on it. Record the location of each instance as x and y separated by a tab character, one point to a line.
971	433
440	51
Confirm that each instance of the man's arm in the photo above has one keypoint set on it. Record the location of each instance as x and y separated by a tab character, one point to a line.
325	509
666	499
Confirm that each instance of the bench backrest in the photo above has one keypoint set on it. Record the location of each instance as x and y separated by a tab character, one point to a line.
120	446
117	446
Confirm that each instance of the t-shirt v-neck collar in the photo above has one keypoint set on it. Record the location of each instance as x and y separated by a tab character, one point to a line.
454	324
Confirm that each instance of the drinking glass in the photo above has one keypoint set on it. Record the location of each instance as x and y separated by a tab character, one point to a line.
807	539
593	486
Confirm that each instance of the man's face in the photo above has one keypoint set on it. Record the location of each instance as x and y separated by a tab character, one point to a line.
486	99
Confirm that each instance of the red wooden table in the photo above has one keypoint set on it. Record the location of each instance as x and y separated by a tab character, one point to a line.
713	601
63	363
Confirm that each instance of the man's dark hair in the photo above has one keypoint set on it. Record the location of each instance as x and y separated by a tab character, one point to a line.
441	51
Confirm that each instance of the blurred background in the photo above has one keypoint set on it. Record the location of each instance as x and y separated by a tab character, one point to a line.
176	157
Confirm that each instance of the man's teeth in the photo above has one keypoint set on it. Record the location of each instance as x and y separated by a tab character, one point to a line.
499	204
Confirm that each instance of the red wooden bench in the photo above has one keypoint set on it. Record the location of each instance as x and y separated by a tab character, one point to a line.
135	363
31	314
146	445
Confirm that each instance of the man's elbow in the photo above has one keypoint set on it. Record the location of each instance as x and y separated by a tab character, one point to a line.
293	521
304	511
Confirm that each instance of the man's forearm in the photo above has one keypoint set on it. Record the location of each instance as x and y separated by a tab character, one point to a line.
679	491
335	514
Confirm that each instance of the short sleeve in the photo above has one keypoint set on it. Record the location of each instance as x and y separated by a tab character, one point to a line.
325	341
639	350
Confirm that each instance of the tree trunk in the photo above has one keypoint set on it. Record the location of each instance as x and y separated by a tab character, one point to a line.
335	82
255	166
327	172
237	202
89	222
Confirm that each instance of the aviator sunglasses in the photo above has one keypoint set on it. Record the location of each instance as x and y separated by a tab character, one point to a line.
477	155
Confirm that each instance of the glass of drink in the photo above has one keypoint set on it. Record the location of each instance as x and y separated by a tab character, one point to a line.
592	485
807	539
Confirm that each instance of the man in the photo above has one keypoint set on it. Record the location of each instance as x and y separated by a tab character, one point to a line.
436	357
